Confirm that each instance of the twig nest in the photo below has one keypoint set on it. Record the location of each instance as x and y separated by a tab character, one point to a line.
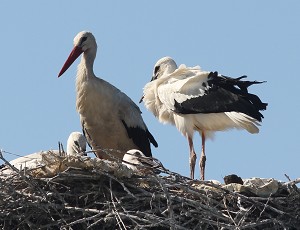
262	187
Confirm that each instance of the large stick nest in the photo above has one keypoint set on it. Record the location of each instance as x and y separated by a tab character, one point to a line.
84	193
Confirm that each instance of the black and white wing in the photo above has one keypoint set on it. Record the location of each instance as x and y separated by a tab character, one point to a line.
207	92
136	128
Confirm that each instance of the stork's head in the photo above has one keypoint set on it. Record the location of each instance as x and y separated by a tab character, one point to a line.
76	144
136	160
165	65
83	42
133	156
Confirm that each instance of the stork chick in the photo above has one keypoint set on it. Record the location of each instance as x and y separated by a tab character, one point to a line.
76	146
134	157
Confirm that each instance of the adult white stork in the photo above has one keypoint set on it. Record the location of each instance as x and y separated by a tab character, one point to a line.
109	118
76	146
196	100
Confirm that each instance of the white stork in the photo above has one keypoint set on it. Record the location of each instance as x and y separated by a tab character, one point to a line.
76	146
196	100
109	118
135	157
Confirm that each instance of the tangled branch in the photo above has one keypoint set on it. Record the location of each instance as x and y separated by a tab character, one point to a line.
99	194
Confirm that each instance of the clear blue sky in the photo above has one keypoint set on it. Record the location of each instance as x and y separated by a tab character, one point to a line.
260	39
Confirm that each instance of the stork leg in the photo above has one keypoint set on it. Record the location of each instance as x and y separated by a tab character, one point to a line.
193	157
203	157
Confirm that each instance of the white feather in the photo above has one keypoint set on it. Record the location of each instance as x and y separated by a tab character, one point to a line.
172	85
183	84
133	158
35	159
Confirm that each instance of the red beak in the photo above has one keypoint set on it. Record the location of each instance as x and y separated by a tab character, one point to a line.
72	57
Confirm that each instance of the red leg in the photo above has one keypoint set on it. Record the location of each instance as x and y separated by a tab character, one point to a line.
203	157
193	157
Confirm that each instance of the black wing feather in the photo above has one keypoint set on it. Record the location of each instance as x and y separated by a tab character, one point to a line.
224	94
87	136
141	138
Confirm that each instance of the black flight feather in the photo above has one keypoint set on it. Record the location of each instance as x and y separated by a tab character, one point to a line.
87	136
224	94
141	138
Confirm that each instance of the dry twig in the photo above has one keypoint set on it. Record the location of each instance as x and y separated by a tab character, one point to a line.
98	198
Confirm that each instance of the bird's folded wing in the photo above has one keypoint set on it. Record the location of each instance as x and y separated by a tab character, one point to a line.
198	93
137	130
181	87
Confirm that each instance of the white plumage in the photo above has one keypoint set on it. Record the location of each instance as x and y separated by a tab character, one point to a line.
134	158
196	100
109	118
76	146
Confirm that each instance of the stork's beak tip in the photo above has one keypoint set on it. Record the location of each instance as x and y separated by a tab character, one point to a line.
72	57
141	99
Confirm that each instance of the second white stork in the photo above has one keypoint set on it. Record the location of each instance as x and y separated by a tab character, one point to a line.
76	146
109	118
196	100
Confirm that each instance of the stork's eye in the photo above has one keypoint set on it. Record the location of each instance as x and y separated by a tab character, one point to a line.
83	40
156	69
138	154
76	143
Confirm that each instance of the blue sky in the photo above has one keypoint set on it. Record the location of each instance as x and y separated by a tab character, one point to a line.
260	39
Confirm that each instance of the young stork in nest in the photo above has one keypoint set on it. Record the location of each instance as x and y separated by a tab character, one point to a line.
76	146
134	158
196	100
111	121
